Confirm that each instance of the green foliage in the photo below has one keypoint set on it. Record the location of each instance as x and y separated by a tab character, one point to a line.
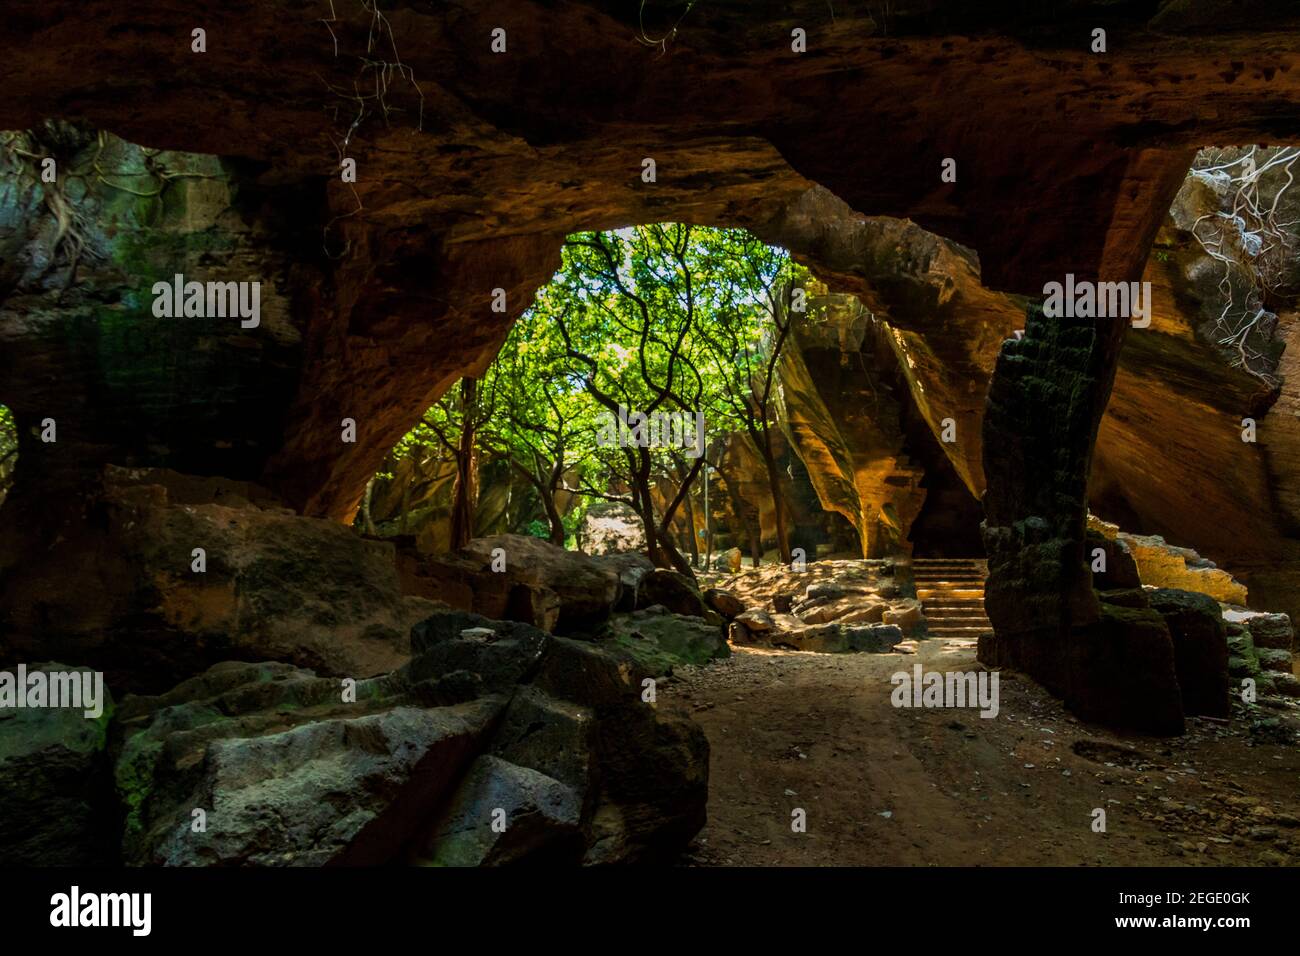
663	318
8	449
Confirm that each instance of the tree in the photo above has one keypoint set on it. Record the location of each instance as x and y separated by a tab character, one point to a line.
752	290
627	307
8	450
453	423
545	424
641	329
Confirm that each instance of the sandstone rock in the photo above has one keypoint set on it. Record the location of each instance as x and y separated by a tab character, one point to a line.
755	620
541	819
906	614
730	560
611	527
1200	649
543	585
1121	569
826	591
291	774
587	591
1121	672
56	787
724	602
287	774
737	633
660	642
1271	630
871	614
631	567
1162	565
673	590
1272	659
275	586
837	638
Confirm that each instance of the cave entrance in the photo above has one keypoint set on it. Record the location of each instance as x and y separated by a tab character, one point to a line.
948	525
636	404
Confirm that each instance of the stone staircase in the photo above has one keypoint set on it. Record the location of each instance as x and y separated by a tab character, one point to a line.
951	592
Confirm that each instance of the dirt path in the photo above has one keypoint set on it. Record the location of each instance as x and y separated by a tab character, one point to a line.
940	787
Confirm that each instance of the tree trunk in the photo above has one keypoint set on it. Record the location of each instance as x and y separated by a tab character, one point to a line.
692	541
406	500
462	511
558	534
367	523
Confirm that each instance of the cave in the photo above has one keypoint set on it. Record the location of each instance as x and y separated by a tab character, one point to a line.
312	317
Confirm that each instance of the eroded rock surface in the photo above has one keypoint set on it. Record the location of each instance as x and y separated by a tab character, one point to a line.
488	716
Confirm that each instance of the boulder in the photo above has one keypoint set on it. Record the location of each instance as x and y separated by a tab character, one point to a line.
503	813
730	560
1271	630
267	585
673	590
538	583
630	567
839	638
293	769
1200	649
1120	671
56	786
285	772
737	633
1121	569
1272	659
873	613
587	591
724	602
1286	684
755	620
905	614
658	642
654	785
611	527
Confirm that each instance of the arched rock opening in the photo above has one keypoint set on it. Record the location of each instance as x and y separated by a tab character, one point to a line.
471	174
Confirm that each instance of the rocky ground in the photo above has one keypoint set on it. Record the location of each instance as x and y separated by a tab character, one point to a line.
941	787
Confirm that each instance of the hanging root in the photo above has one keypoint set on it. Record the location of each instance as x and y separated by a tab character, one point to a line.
1253	246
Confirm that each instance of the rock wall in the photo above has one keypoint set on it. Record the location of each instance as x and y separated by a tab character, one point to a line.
472	172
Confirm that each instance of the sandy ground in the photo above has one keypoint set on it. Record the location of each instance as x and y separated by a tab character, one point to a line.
942	787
